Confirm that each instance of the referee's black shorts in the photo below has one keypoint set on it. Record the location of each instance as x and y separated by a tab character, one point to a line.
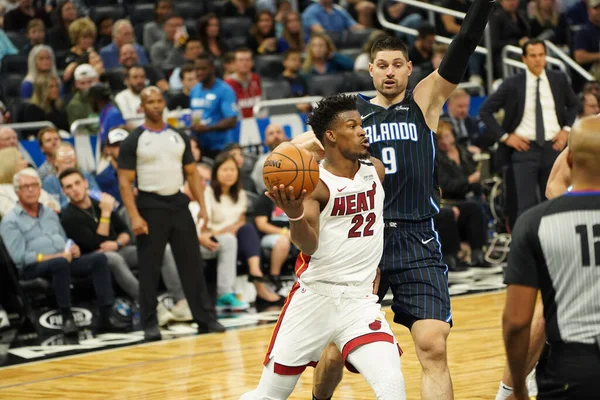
412	267
570	371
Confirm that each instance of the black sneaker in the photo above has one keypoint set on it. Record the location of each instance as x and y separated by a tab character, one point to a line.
457	270
481	266
210	326
69	327
152	334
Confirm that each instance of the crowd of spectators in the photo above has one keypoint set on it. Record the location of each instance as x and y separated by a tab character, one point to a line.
68	60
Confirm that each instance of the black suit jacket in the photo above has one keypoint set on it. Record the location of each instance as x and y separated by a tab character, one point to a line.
510	96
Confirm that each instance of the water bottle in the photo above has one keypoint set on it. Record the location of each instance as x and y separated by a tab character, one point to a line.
97	195
68	245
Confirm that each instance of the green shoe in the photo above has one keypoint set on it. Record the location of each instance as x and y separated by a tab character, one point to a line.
230	301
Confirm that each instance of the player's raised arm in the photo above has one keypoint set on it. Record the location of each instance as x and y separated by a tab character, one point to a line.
433	91
303	214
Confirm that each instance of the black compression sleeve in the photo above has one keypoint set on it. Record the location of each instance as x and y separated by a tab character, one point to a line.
454	64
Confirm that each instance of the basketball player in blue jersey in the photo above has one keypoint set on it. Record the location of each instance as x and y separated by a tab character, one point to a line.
399	125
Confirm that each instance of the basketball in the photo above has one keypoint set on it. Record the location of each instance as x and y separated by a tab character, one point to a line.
291	166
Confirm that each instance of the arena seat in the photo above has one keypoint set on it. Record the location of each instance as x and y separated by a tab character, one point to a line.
269	66
237	26
325	85
235	42
12	85
141	13
360	81
355	39
351	53
18	39
189	9
276	89
114	11
14	64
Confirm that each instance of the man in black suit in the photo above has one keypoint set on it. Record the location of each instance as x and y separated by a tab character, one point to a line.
539	109
467	129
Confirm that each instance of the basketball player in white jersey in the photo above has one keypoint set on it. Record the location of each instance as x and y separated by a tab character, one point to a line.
339	229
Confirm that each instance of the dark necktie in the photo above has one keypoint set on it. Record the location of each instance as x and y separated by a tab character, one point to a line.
540	137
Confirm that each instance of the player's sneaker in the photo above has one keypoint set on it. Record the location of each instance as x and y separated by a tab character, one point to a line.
181	311
4	322
457	271
230	301
481	266
532	384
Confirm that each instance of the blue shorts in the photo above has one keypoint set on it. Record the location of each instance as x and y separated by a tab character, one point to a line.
412	267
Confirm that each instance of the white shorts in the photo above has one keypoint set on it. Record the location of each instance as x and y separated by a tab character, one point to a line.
316	315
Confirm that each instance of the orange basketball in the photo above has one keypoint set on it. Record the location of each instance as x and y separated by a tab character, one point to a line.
291	166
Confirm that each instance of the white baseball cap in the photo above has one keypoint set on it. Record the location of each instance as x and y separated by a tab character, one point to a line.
117	136
85	71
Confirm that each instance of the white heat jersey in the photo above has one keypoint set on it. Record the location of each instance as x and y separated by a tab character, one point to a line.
351	231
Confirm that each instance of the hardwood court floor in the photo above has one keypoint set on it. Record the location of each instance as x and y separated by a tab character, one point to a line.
223	366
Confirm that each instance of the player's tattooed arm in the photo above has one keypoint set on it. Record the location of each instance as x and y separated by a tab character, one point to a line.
379	167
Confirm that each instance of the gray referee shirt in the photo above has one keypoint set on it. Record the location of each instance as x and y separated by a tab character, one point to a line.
556	248
158	158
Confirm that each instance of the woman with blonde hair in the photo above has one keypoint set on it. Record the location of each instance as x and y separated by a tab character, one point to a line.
322	58
544	19
11	162
45	103
292	36
63	157
82	34
41	61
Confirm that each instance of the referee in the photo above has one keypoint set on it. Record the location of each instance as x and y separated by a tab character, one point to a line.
556	248
156	157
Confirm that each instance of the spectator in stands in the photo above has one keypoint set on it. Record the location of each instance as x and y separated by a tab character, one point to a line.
48	140
79	107
45	103
153	30
244	166
364	58
451	25
262	38
16	20
191	50
122	34
546	22
223	247
532	150
226	205
587	41
82	33
99	97
196	152
588	105
292	36
244	82
96	227
508	26
467	129
210	35
187	76
421	51
107	179
274	227
40	61
37	242
63	158
446	224
228	64
58	36
459	180
238	8
322	58
274	136
324	16
35	31
407	16
292	62
129	58
167	54
128	101
214	108
11	162
280	9
104	26
8	138
592	87
6	46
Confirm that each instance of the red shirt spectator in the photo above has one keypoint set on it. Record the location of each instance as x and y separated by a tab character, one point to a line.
245	83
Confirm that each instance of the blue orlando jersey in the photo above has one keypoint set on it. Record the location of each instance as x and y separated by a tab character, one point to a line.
401	139
211	106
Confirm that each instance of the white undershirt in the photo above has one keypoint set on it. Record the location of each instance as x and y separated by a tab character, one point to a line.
526	128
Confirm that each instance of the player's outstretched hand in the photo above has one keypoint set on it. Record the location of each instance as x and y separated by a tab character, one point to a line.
284	198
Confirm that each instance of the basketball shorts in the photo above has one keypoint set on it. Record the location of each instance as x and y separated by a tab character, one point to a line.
412	267
315	315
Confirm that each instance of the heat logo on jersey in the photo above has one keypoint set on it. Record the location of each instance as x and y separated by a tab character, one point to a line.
354	203
392	131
